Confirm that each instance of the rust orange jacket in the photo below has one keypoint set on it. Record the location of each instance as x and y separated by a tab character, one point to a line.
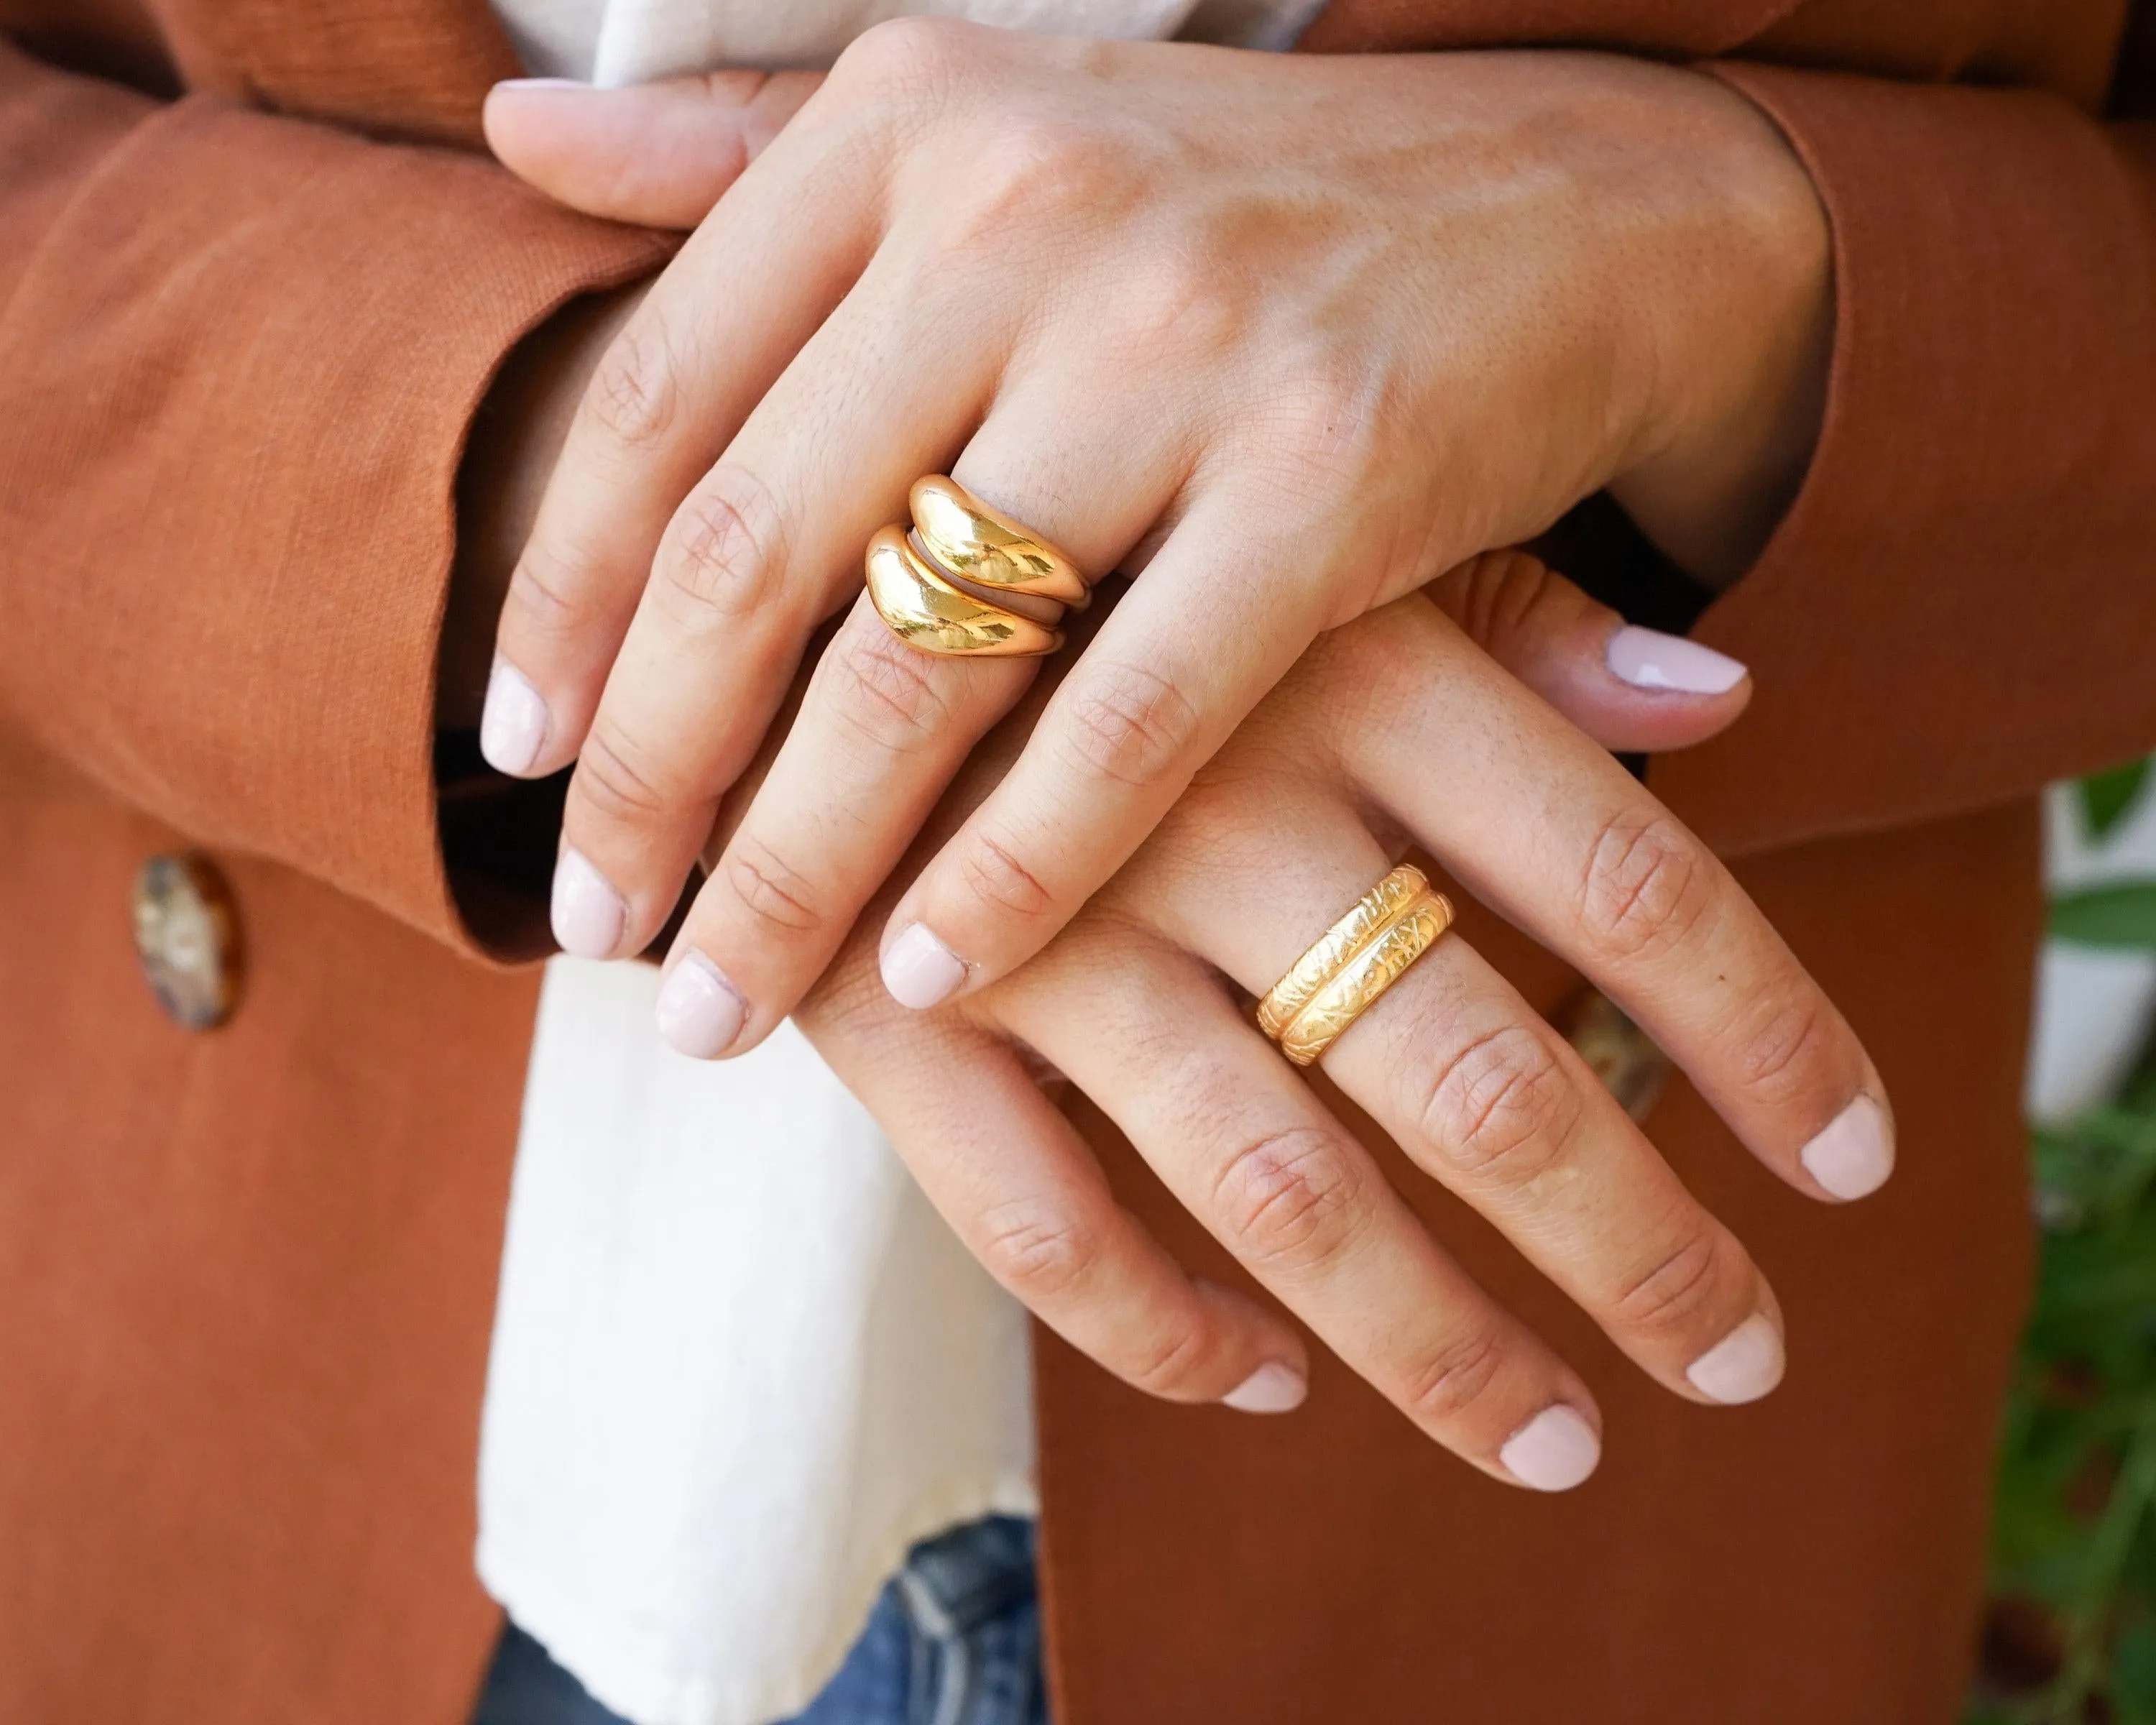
253	283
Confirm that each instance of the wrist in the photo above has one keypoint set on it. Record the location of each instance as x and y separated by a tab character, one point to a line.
1737	369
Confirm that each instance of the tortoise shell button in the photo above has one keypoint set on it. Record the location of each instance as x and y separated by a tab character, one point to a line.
187	935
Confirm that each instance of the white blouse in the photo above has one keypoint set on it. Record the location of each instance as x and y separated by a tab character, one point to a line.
739	1363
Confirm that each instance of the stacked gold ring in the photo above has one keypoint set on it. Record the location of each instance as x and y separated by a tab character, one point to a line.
1352	964
927	585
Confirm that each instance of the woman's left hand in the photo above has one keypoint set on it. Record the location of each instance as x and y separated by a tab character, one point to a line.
1290	335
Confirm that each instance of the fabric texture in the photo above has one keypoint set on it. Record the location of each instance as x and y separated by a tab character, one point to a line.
249	1276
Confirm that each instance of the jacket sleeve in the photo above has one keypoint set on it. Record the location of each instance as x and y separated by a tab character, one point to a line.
1962	602
239	356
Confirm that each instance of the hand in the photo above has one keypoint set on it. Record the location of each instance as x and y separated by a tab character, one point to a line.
1396	727
1289	335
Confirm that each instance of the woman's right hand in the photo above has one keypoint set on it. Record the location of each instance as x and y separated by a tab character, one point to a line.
1397	728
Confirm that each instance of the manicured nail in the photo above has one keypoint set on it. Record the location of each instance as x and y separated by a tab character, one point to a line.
699	1012
589	914
542	84
1553	1451
1852	1157
512	725
920	971
1648	659
1273	1388
1742	1366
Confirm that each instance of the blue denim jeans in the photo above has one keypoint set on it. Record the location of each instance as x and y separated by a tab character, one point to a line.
954	1639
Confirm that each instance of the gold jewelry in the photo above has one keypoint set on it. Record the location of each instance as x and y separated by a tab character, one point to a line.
967	538
1365	978
1339	943
1351	964
924	610
921	583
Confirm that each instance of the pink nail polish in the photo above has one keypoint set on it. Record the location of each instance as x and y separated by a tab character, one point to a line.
1648	659
543	83
920	971
700	1013
1742	1366
1854	1154
512	726
589	914
1553	1451
1274	1387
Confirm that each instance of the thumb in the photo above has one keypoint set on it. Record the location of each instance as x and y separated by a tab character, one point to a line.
658	154
1629	688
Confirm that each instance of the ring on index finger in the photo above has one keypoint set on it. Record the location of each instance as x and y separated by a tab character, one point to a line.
931	587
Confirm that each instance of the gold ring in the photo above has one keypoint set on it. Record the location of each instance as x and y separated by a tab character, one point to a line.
924	610
1350	965
926	585
966	538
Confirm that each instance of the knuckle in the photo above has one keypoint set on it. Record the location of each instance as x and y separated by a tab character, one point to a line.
1169	1363
912	57
1502	1110
1681	1287
544	596
1289	1198
633	393
1498	597
1319	430
1130	724
1648	885
1454	1381
725	555
771	889
1042	1253
994	873
1779	1043
886	692
612	782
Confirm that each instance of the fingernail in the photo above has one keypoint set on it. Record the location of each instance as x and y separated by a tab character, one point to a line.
1742	1366
512	725
1648	659
699	1012
589	914
1553	1451
920	971
1273	1388
542	84
1852	1157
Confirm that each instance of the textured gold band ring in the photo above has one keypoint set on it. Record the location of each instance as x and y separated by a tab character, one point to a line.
926	585
1350	966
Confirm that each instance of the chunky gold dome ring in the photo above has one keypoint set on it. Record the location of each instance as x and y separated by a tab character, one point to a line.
1350	966
931	586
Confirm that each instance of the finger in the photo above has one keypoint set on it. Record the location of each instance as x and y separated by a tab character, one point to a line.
1022	1190
702	349
1551	830
1629	688
658	154
1471	1082
766	546
1240	1141
1224	608
883	728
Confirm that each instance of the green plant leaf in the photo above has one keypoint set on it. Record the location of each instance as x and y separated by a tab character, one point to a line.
2106	797
2121	914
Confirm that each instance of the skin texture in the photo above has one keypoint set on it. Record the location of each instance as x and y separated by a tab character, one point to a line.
1423	720
1290	335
